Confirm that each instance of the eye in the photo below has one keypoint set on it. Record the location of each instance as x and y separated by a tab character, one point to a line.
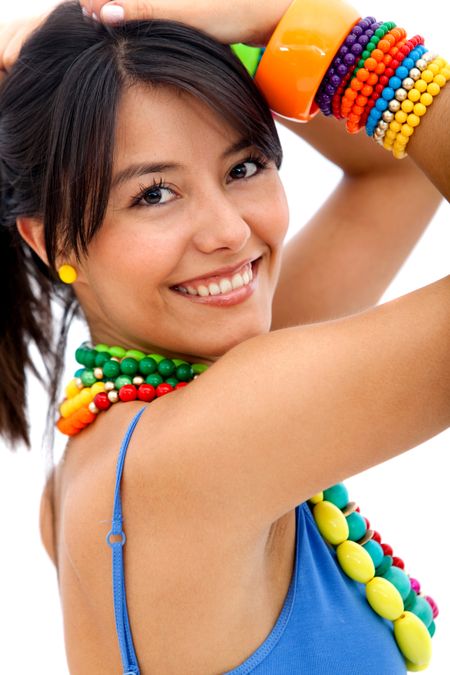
245	170
155	195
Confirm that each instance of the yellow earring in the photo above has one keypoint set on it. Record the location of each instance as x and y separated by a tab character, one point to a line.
67	274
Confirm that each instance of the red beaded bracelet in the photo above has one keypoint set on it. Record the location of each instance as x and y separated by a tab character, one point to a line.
374	67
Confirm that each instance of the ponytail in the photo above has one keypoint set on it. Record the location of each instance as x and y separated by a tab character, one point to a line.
26	292
19	326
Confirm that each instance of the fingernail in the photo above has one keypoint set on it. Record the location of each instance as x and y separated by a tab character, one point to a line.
94	16
112	13
85	12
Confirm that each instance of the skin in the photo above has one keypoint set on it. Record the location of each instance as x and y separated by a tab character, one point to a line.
171	458
208	216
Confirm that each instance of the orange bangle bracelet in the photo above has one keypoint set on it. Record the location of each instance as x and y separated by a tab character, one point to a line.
299	54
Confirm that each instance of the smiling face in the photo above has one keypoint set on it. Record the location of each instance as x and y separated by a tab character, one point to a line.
187	259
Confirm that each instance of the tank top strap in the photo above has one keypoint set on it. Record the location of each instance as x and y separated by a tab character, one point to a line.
116	539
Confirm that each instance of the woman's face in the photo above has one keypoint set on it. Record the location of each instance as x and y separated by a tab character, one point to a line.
171	268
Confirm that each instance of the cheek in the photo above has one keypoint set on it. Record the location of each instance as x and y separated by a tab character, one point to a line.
136	256
273	216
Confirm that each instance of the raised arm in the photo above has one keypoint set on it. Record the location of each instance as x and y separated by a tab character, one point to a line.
345	257
285	415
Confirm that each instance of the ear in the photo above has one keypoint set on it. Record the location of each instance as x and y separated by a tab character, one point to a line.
32	232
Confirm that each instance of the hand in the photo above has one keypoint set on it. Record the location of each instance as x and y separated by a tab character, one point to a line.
229	21
12	36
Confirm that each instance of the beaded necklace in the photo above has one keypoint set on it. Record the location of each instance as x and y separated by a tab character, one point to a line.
113	374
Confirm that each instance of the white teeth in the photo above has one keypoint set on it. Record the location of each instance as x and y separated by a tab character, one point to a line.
237	281
214	289
225	286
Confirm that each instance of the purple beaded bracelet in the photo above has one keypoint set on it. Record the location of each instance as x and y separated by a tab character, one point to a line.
344	60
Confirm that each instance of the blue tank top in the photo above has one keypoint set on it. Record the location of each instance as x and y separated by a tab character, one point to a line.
325	626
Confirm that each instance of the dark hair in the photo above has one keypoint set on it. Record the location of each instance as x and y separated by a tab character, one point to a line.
58	110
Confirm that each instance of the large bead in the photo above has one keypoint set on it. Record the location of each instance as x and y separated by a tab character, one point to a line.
356	526
375	551
117	352
184	372
166	368
423	610
135	354
146	393
111	370
385	564
355	561
88	378
102	401
147	366
413	639
154	379
129	366
199	368
412	668
337	495
384	598
400	580
128	393
101	359
331	522
72	389
121	381
163	389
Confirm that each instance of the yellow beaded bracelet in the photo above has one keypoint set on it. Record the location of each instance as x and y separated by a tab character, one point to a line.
435	73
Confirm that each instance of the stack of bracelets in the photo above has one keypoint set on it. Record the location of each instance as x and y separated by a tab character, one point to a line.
364	71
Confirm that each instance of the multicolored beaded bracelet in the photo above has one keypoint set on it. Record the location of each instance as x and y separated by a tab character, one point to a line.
402	78
344	61
396	69
431	67
363	557
113	374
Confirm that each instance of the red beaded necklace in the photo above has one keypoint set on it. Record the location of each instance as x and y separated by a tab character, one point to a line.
113	374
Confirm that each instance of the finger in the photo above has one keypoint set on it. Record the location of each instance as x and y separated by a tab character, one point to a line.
127	10
7	33
12	49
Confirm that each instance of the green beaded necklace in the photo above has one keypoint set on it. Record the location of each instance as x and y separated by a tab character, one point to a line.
113	374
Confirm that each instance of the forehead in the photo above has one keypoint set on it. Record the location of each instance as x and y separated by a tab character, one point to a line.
168	122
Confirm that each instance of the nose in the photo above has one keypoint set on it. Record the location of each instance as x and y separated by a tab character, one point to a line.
219	224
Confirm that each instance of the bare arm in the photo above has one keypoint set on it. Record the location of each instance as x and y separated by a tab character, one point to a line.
286	414
346	256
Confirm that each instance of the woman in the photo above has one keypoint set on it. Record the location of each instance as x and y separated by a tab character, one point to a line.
215	473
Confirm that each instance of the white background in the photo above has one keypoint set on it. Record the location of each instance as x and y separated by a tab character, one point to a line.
405	498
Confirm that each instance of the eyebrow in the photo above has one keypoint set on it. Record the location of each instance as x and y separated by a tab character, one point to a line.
141	169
